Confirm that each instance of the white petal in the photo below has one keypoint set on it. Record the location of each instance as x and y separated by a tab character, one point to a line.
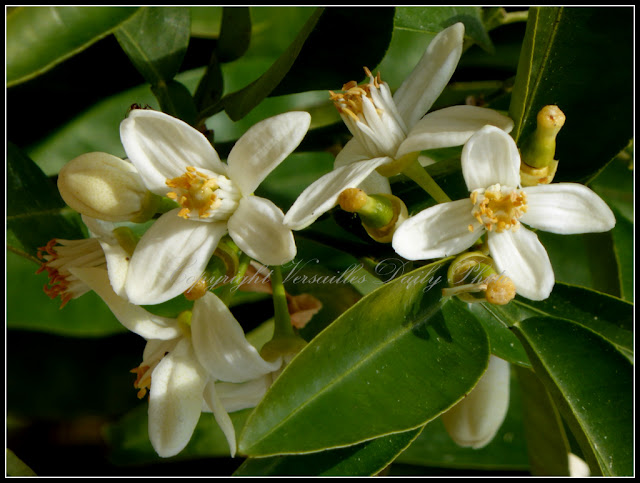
567	208
175	400
248	394
221	346
352	152
161	147
263	147
322	195
170	257
257	227
475	420
439	231
428	79
156	349
520	256
134	318
489	157
451	126
222	418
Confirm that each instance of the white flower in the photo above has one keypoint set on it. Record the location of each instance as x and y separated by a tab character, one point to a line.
388	128
476	419
175	160
183	361
490	166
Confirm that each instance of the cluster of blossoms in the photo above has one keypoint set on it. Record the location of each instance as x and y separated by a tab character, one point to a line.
201	360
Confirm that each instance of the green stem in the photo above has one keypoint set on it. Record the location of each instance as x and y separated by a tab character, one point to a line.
226	293
423	179
283	327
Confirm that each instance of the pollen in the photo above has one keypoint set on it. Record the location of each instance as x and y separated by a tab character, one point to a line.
195	192
350	101
143	379
499	208
500	290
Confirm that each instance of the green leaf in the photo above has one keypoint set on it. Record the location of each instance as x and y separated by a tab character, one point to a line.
16	467
547	442
503	342
592	385
364	459
304	65
609	317
432	20
507	451
35	211
176	100
235	33
395	360
564	58
155	40
38	38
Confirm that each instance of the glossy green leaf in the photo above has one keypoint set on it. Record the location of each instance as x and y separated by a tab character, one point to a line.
38	38
609	317
303	66
205	21
35	210
364	459
564	58
434	19
235	33
176	100
547	443
155	39
506	451
395	360
591	383
16	467
504	343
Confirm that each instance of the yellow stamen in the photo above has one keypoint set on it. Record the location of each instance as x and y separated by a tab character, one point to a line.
498	210
195	192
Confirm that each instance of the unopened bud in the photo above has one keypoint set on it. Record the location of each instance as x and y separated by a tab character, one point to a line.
476	419
538	151
380	213
103	186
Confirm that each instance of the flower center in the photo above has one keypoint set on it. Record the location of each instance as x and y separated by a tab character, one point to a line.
350	102
498	208
58	256
202	195
371	115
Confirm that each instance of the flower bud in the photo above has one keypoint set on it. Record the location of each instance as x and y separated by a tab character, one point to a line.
380	213
106	187
475	420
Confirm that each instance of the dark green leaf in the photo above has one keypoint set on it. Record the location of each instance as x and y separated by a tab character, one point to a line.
503	341
38	38
609	317
175	100
235	33
35	210
579	59
303	66
364	459
395	360
592	385
435	19
155	40
547	443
